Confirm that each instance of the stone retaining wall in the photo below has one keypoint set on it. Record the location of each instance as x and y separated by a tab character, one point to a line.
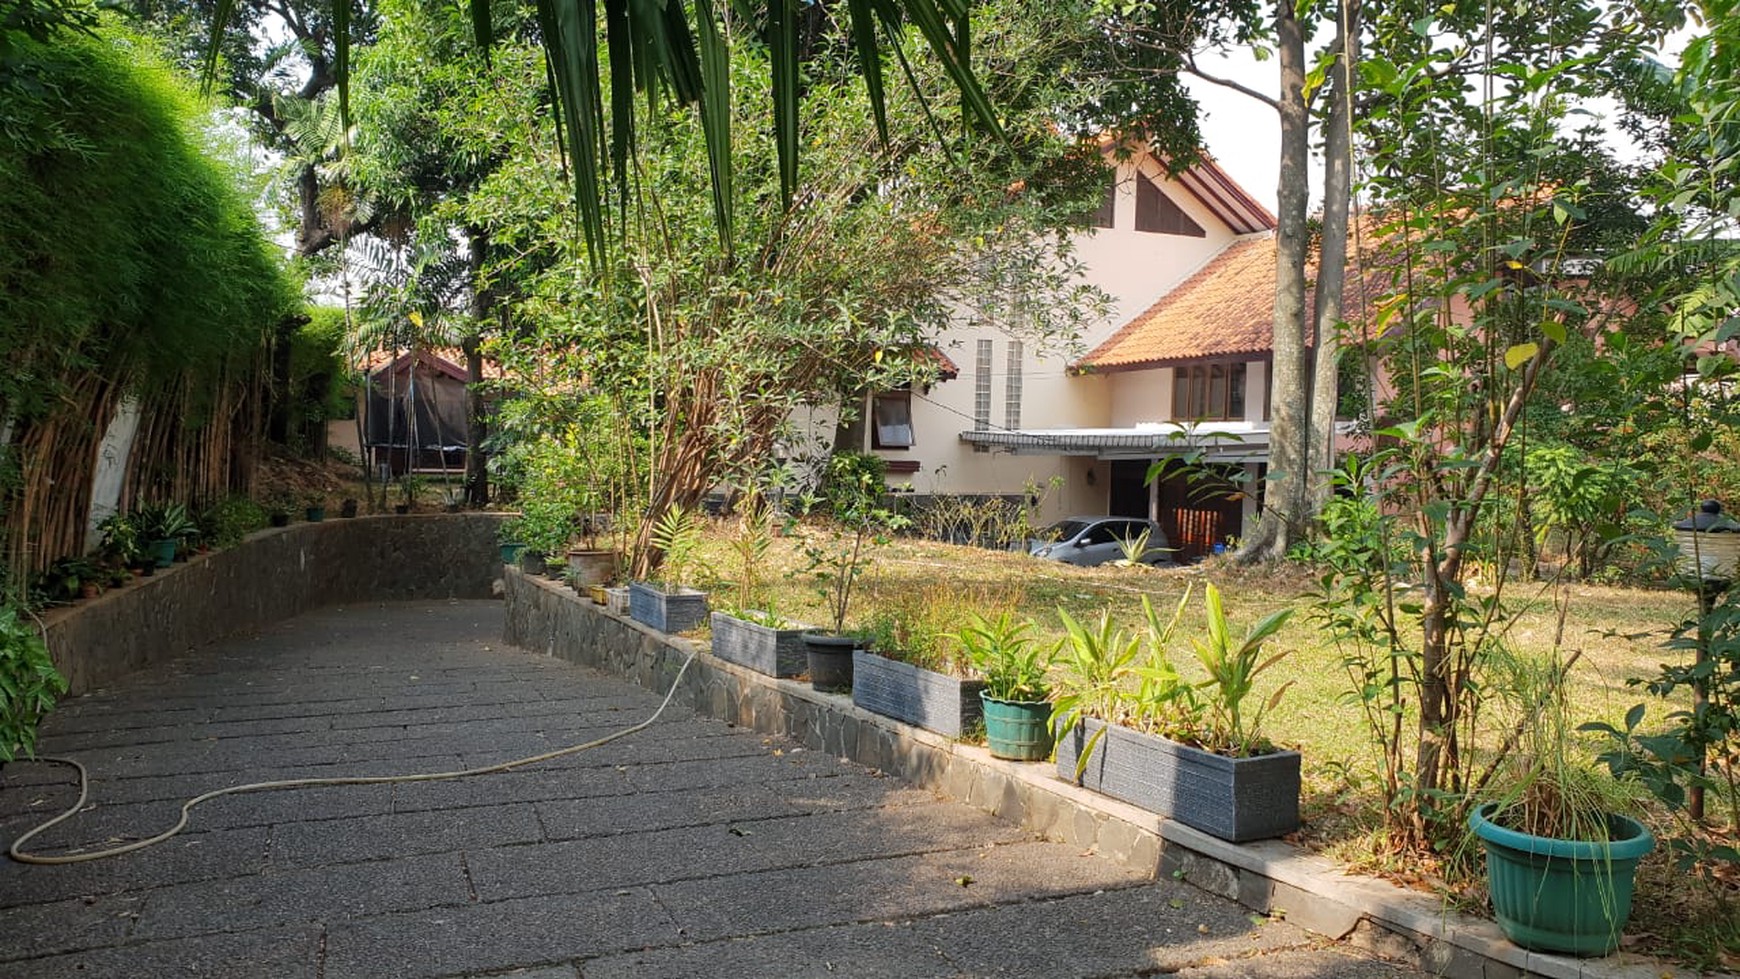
273	575
1270	876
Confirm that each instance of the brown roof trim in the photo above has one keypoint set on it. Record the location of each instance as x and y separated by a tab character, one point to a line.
1233	357
1264	220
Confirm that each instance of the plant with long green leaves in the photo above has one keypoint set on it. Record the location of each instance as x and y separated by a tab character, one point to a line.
1093	666
1233	668
1163	701
677	536
1005	652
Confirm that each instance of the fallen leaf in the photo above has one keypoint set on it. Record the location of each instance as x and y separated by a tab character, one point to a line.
1175	903
963	880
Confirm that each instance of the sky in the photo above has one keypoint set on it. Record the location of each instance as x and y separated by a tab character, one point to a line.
1244	135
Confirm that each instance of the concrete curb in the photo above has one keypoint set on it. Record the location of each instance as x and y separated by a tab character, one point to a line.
1271	876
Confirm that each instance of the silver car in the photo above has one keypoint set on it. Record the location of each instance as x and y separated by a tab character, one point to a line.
1087	541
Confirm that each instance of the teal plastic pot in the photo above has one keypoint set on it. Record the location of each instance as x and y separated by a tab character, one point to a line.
162	552
510	552
315	514
1569	896
1019	730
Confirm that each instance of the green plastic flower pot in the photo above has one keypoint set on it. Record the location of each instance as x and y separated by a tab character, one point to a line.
510	552
162	552
1019	730
1570	896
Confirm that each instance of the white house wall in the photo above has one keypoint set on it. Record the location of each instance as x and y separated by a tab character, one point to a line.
1138	267
1135	269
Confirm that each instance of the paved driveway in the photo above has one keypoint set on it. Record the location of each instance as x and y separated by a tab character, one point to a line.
689	849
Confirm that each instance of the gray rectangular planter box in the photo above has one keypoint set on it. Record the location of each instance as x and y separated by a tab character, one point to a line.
934	701
775	652
667	612
1237	799
616	600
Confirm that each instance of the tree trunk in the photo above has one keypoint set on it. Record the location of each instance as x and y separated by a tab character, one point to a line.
1331	266
1283	496
476	416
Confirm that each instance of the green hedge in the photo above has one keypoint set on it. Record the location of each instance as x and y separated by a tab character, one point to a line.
125	247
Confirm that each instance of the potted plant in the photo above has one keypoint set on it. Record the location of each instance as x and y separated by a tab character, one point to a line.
511	536
545	527
1561	850
314	507
911	669
70	579
29	684
669	604
853	487
1017	694
347	507
591	564
165	527
410	488
1128	725
752	633
279	504
121	539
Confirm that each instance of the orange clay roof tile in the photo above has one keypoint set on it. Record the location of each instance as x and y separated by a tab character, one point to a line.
1225	311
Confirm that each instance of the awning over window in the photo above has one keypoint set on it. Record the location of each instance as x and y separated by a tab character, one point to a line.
1220	441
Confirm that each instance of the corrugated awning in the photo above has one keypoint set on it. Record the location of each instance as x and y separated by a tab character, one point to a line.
1225	442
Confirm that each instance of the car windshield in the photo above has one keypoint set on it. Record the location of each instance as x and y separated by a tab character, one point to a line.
1063	530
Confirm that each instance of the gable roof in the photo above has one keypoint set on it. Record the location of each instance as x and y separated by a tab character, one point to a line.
1225	310
1208	183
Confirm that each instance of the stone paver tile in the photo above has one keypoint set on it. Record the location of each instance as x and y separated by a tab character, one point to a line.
1157	928
889	889
610	815
280	953
304	896
378	836
718	849
65	926
873	951
181	859
495	936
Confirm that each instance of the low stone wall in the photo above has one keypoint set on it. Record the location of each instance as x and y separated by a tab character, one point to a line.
1270	876
273	575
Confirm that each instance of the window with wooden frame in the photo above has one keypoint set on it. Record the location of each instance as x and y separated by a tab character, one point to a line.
1156	213
1210	392
891	420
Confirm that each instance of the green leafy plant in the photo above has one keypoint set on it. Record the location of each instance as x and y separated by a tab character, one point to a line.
1233	668
230	520
1134	549
166	521
1004	651
750	542
677	537
63	580
1094	664
122	542
852	487
29	684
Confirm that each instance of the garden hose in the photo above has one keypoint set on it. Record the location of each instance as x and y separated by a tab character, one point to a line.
16	851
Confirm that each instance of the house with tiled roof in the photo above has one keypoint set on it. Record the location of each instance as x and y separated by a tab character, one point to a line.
1179	368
